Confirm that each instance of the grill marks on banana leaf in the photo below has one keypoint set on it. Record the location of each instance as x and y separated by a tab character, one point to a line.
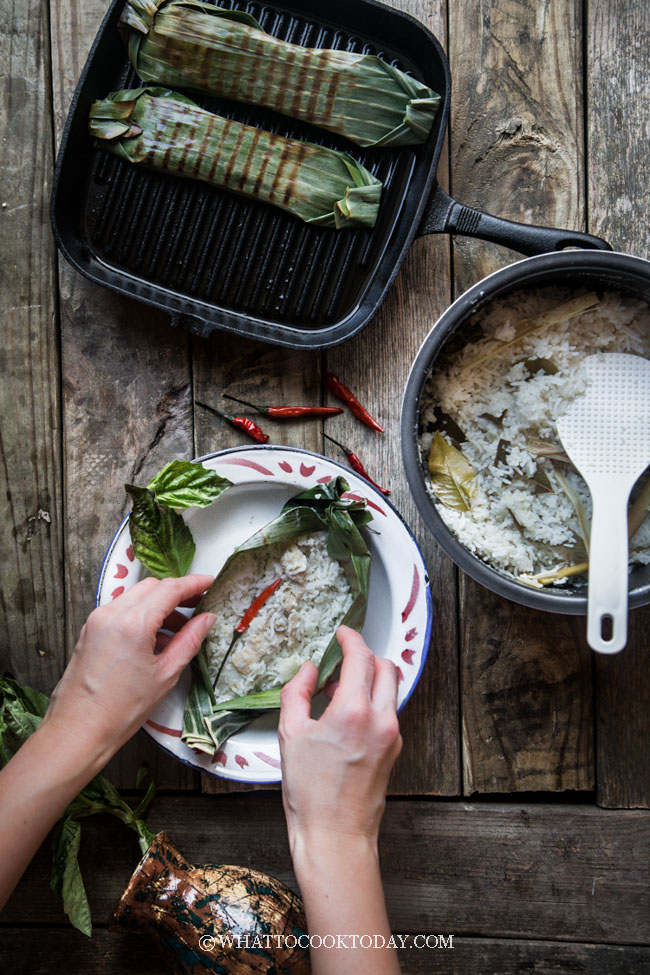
166	131
189	44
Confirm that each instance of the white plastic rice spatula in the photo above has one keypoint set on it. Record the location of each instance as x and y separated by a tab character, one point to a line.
606	433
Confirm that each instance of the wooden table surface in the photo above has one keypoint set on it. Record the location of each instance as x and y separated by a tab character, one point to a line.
517	819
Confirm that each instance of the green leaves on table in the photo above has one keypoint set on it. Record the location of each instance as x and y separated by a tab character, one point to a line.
452	476
21	712
206	724
160	538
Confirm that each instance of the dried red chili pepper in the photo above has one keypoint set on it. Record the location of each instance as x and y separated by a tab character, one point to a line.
246	621
356	464
239	422
347	396
288	412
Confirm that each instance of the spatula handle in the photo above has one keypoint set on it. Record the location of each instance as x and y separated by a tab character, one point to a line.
608	570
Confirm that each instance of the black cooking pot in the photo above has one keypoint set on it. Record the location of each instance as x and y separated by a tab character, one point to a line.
595	270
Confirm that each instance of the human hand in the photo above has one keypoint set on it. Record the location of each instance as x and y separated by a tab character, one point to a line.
335	770
122	667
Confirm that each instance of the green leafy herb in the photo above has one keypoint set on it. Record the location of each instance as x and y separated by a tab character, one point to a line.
160	538
547	366
183	484
206	724
452	476
21	711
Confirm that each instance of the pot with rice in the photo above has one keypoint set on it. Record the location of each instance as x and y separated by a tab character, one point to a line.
479	437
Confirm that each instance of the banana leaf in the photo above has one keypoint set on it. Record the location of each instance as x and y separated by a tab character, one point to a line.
189	44
206	723
167	131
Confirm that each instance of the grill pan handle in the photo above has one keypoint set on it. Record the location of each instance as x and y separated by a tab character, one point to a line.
445	215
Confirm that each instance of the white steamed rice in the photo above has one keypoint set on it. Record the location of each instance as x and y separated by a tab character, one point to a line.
513	525
295	624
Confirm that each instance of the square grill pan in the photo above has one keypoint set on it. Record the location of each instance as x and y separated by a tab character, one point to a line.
216	260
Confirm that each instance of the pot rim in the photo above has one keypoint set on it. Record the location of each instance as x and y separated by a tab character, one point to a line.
488	289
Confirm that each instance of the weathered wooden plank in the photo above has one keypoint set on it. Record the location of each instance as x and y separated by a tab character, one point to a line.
375	365
126	401
566	873
618	101
516	150
61	949
260	374
31	532
527	698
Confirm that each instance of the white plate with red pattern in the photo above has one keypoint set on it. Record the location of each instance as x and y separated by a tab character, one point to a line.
400	611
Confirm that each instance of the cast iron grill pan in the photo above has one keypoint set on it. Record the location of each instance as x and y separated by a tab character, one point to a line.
216	260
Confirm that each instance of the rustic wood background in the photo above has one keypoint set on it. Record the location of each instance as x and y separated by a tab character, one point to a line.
549	111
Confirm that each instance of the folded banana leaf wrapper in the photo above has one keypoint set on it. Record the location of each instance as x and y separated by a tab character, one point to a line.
167	131
189	44
206	724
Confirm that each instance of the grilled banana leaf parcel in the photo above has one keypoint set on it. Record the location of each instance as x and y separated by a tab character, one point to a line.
167	131
189	44
207	724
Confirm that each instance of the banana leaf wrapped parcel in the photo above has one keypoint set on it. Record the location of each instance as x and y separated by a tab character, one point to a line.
167	131
295	581
189	44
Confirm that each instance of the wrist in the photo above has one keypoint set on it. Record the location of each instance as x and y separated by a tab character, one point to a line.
319	850
78	751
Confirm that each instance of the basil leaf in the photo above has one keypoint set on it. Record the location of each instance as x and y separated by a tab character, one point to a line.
452	476
21	710
182	484
161	540
66	880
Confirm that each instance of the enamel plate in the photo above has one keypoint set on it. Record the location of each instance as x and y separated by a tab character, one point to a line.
398	620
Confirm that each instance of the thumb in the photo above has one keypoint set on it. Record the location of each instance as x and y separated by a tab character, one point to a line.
185	644
296	698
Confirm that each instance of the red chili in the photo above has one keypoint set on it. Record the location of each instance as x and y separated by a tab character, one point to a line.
246	621
256	606
343	393
239	422
356	464
288	412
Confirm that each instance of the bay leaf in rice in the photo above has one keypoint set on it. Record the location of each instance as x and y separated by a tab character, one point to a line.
202	47
166	131
452	476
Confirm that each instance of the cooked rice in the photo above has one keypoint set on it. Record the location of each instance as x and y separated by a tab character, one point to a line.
509	525
295	624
